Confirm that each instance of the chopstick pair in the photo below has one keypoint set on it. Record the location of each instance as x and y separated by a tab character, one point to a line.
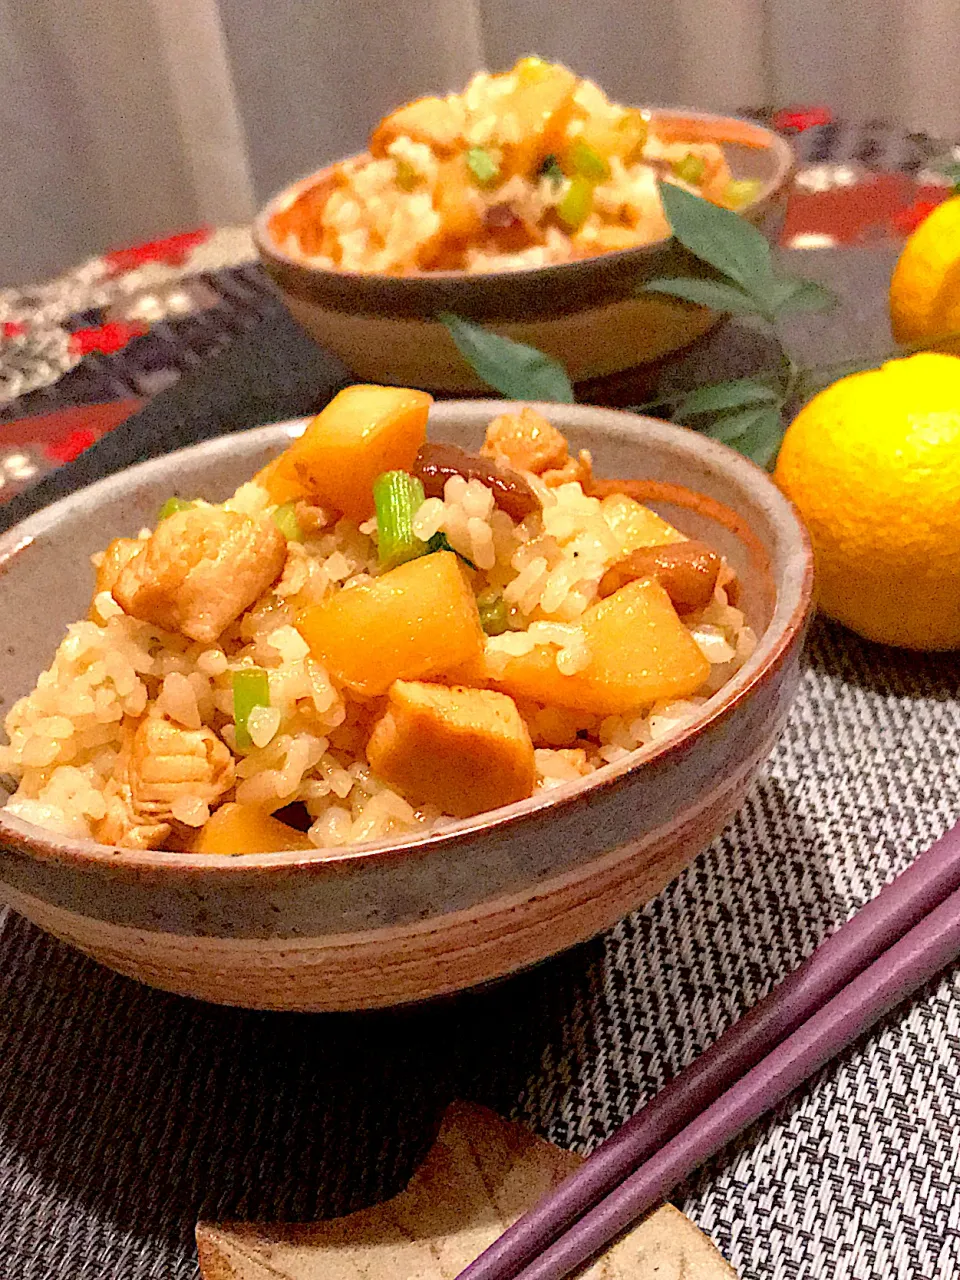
882	954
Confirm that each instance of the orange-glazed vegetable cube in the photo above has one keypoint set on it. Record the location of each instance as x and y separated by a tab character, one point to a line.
635	525
640	651
238	828
437	122
541	105
623	136
416	621
363	431
461	211
462	750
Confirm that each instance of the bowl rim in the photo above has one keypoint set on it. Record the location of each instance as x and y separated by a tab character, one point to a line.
767	139
792	611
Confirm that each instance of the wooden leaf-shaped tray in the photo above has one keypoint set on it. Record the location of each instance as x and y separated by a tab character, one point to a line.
479	1176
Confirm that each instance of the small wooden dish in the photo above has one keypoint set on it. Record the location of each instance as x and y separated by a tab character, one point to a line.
387	923
588	313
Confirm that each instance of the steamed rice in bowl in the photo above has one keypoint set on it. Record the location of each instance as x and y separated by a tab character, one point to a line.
143	733
525	168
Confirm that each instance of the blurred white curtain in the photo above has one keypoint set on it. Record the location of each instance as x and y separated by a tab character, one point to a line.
122	120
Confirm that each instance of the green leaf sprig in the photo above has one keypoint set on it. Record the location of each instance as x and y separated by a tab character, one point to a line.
746	413
735	273
515	370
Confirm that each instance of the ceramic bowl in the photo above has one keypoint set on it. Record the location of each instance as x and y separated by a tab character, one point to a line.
391	922
587	313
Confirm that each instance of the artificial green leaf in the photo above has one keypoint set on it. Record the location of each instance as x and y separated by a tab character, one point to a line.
790	294
716	294
515	370
724	239
755	432
725	395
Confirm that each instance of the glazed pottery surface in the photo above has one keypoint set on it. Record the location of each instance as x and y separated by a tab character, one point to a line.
387	923
588	314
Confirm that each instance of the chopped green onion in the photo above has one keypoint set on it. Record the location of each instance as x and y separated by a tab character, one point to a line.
397	496
551	169
251	688
173	505
408	178
484	166
741	191
574	209
588	162
285	518
440	542
690	169
494	614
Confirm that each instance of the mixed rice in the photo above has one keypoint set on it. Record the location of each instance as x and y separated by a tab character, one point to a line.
148	724
522	169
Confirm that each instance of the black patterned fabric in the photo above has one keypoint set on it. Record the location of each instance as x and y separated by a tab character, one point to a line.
126	1113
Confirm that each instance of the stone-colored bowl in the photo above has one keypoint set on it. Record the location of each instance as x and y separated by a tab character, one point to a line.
391	922
586	313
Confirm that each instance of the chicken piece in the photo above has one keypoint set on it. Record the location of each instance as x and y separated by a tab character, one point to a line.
168	762
200	569
579	469
114	560
437	122
121	825
526	440
461	750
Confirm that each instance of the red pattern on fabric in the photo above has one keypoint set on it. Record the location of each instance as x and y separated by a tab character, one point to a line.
105	338
173	251
72	445
13	329
908	219
797	119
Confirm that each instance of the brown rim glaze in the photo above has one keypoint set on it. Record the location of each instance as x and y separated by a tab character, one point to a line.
773	649
528	293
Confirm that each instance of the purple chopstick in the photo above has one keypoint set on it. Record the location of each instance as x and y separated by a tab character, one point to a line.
900	905
920	954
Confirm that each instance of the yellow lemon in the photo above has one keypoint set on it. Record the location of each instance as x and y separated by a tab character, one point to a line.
873	464
925	286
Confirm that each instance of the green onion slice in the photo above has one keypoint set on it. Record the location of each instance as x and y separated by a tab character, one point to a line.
741	191
173	505
690	169
484	166
408	178
285	518
251	688
551	169
574	209
588	162
397	496
494	614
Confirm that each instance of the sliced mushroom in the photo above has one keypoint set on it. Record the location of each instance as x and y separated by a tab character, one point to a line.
687	571
436	463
